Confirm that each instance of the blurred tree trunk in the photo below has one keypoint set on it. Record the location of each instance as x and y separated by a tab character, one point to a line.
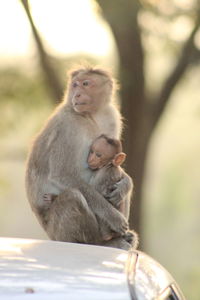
122	17
53	83
140	112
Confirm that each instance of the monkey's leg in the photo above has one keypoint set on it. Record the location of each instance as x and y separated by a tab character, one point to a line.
105	232
70	219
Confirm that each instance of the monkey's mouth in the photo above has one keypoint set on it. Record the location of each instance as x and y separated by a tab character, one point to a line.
93	167
81	103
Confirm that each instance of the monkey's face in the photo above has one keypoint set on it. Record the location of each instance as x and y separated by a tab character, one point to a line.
87	93
101	154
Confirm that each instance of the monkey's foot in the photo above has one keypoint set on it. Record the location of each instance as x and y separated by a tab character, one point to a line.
132	238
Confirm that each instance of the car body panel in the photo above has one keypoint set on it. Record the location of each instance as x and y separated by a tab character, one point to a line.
36	269
151	279
54	269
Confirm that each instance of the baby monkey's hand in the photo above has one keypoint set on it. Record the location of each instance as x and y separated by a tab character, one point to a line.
48	199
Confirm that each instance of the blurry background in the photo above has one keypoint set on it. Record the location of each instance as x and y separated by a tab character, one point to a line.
152	47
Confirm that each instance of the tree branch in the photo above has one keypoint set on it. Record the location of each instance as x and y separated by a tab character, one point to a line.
52	80
176	75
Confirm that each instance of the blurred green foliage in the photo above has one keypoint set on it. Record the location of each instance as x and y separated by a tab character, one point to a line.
23	88
20	93
25	92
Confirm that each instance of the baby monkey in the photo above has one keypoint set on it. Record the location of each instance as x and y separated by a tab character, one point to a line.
110	180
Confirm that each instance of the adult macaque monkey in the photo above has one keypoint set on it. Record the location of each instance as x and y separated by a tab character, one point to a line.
57	163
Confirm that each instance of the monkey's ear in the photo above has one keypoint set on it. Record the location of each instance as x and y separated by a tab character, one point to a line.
119	159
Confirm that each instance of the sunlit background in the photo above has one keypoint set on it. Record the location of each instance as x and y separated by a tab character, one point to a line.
172	183
70	27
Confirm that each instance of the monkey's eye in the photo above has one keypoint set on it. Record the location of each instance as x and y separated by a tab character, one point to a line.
86	82
74	84
91	151
98	154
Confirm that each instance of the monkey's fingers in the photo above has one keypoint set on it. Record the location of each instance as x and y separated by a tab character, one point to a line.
47	197
112	188
125	227
132	238
115	197
129	236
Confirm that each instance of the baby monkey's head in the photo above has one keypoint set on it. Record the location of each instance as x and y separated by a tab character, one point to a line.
104	151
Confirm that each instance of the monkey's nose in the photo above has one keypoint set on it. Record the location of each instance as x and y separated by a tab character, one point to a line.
78	95
90	160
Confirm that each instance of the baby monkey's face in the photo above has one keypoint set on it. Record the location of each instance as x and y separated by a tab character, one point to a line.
101	153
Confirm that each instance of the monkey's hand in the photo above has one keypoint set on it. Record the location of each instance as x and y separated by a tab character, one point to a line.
119	223
48	199
114	195
119	190
105	212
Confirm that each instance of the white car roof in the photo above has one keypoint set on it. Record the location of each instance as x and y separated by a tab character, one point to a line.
34	269
40	270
